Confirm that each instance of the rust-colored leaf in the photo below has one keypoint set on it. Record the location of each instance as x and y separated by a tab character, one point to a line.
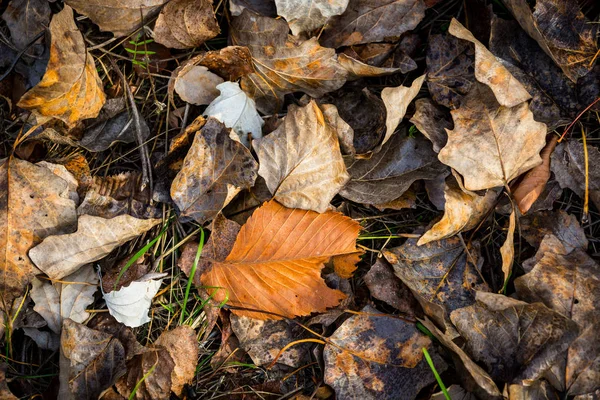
34	204
71	89
507	251
283	65
117	16
301	161
276	261
183	24
182	345
534	182
215	169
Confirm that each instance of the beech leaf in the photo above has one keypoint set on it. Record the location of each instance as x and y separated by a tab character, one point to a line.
215	169
301	161
237	111
507	141
130	304
71	89
372	21
183	24
117	16
304	16
275	264
61	255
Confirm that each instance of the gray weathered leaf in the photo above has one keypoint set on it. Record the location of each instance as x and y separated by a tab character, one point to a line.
304	16
25	19
197	85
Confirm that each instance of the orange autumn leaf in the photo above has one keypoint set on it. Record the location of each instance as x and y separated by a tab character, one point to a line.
275	263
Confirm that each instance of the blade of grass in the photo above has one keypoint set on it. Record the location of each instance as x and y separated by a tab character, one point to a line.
435	373
191	277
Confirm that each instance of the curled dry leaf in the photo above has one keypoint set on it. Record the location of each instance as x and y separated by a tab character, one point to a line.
507	141
130	304
283	65
442	275
389	173
90	361
197	85
513	339
237	111
215	169
507	251
279	272
463	211
34	204
432	121
357	69
508	91
71	89
562	31
305	16
61	255
117	16
373	356
183	24
301	160
372	21
534	182
67	299
396	102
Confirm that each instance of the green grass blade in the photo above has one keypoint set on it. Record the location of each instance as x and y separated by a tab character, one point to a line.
435	373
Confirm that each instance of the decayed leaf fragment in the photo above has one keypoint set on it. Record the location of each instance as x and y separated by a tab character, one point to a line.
130	304
283	65
303	16
117	16
562	31
372	21
34	204
372	356
61	255
276	261
182	345
507	141
463	211
26	19
432	121
71	89
507	251
215	169
197	85
301	160
183	24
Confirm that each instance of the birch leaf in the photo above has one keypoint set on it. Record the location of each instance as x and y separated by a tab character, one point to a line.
130	304
237	111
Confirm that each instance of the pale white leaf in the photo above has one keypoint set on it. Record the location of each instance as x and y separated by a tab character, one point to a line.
130	304
237	111
198	85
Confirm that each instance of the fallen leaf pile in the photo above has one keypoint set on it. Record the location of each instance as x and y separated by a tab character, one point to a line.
325	199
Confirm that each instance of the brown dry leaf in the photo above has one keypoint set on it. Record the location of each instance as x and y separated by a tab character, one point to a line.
214	170
197	85
183	24
367	21
90	361
305	16
513	339
387	287
564	226
301	161
117	16
538	390
450	72
152	369
263	340
463	211
375	356
390	172
25	19
5	393
407	200
71	89
357	69
562	31
508	91
283	65
569	285
442	275
396	102
182	345
276	261
432	121
344	132
34	204
474	378
534	182
507	141
507	251
61	255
